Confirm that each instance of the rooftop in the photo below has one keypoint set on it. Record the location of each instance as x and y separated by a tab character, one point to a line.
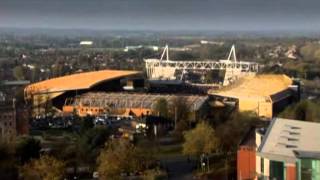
77	81
135	100
284	136
259	86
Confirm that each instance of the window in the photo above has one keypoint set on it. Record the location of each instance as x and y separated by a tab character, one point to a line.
310	169
276	170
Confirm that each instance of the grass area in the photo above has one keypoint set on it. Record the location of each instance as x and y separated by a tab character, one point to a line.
168	150
161	150
219	168
54	137
52	132
154	174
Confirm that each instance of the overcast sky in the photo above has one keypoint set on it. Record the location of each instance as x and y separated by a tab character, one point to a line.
162	14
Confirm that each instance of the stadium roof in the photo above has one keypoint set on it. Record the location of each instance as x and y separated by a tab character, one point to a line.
284	137
135	100
76	81
259	86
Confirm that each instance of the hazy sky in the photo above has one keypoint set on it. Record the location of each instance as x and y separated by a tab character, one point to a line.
162	14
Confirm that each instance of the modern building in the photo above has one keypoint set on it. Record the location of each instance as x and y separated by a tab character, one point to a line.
290	150
137	104
246	153
56	90
100	92
264	95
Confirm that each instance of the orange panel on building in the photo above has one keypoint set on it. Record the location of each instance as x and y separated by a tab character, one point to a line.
291	173
138	111
246	163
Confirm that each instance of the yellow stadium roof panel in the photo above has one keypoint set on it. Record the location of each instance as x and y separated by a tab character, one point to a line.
77	81
259	86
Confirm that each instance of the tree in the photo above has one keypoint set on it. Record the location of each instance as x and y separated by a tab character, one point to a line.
86	124
232	131
120	156
18	73
35	74
8	168
90	143
200	140
45	168
304	110
161	107
180	112
27	149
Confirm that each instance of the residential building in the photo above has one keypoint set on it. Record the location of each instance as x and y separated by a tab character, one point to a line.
7	121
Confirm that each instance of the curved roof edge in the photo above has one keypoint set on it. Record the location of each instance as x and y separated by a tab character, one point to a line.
76	81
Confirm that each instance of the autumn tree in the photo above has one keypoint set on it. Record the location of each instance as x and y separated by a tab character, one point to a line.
120	156
201	139
45	168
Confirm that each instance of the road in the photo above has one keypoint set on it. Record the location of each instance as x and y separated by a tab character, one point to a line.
178	167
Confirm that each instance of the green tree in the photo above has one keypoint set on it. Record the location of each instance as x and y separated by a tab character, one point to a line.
180	112
8	168
27	149
232	131
86	124
201	139
90	142
45	168
35	74
18	73
161	107
304	110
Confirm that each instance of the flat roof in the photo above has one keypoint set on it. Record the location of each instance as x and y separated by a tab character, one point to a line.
77	81
259	86
284	136
308	154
